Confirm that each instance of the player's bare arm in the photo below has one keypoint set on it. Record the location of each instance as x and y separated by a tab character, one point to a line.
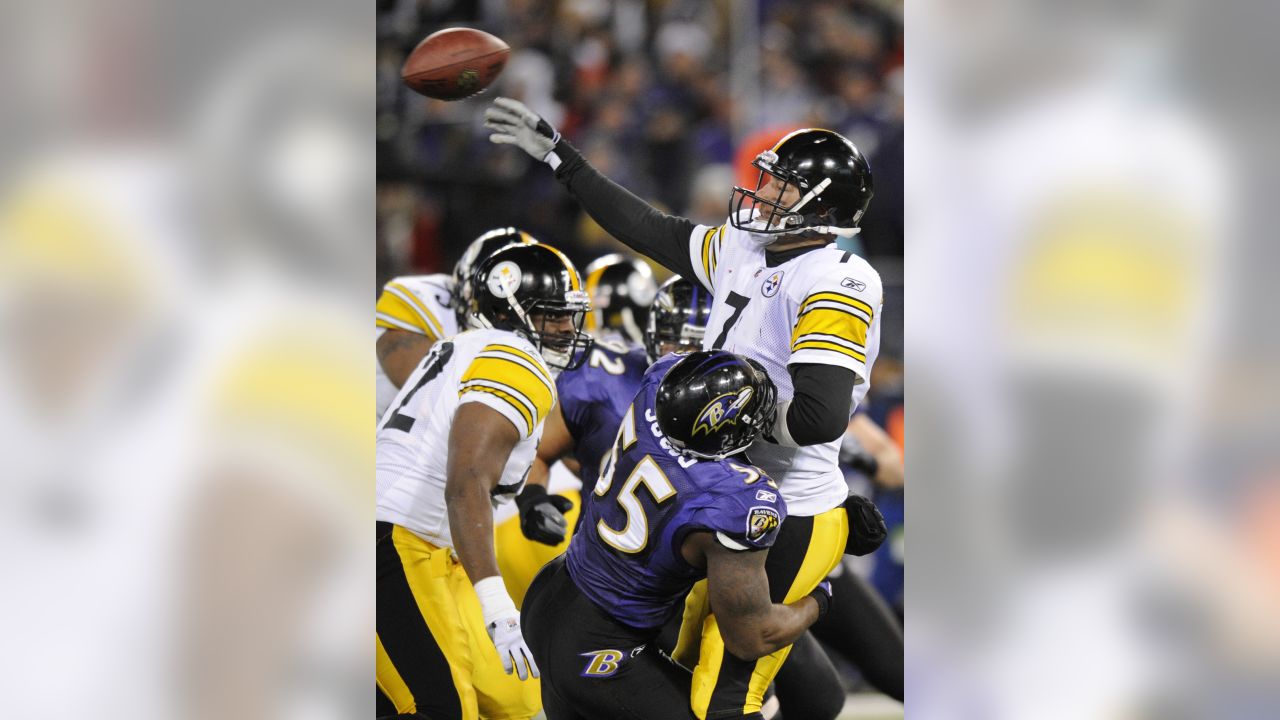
480	442
889	471
750	622
556	444
400	351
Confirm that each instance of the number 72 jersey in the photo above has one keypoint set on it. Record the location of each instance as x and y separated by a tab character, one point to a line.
496	368
821	307
625	556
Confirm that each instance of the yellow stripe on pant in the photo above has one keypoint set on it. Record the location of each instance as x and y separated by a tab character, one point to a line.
449	605
825	548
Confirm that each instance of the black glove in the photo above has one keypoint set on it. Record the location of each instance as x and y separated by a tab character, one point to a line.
864	463
867	530
542	515
822	594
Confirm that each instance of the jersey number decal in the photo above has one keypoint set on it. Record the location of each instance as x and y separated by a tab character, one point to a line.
635	535
613	366
442	351
738	303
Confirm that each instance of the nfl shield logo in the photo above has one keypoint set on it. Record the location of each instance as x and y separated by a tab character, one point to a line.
771	284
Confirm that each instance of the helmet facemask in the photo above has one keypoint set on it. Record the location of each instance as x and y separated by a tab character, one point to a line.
555	328
768	218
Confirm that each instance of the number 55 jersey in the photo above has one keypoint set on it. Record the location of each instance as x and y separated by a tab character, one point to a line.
494	367
626	555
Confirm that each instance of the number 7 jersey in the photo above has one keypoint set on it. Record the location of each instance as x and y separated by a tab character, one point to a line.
820	307
492	367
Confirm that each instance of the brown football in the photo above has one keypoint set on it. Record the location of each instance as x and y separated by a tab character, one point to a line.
455	63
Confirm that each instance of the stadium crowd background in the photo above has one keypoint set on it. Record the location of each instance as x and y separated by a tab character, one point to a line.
671	99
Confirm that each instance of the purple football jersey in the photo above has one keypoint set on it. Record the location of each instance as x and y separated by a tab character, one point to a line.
625	556
593	399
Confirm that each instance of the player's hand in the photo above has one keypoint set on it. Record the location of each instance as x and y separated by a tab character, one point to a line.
514	124
506	636
822	594
542	515
867	530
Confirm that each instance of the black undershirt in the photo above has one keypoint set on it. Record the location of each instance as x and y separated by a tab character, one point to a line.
819	411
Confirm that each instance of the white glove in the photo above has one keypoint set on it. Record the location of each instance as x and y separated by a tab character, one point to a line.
502	620
506	636
515	124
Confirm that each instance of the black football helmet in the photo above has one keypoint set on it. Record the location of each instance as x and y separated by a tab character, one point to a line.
831	175
465	269
678	316
713	403
621	289
535	291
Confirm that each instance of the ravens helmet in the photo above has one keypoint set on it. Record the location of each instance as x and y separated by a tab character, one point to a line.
534	291
621	289
831	178
678	316
464	270
713	403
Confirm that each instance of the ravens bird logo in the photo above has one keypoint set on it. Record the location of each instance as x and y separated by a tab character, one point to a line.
722	411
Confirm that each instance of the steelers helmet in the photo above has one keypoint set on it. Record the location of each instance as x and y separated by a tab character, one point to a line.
527	289
832	177
621	289
713	404
464	270
678	316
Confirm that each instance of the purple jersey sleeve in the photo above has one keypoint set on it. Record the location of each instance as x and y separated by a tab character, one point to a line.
749	515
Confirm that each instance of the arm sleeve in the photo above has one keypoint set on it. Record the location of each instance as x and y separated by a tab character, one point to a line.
819	410
510	380
636	223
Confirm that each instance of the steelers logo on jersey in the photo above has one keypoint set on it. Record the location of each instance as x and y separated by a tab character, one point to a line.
722	411
760	522
771	284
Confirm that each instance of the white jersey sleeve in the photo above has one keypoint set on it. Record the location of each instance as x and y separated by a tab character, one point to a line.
418	304
705	245
512	380
838	318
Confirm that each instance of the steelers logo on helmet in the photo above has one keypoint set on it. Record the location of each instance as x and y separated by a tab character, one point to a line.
505	279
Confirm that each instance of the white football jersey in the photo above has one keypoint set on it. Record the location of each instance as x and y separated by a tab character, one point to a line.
822	307
494	367
419	304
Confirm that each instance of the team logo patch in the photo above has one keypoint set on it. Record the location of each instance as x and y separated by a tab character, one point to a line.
764	495
505	279
761	521
603	663
722	411
771	284
853	284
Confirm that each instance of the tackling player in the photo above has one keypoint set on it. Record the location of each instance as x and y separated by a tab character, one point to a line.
416	311
785	295
458	439
670	508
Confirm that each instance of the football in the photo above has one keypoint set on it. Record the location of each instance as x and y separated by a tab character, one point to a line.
455	63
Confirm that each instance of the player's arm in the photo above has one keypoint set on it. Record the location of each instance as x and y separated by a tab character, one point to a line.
751	624
885	458
640	226
542	515
818	411
480	442
400	351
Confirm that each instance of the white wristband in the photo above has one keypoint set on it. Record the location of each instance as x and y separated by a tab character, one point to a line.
552	159
780	434
495	603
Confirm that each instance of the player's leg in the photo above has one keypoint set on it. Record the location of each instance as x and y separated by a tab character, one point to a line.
808	685
862	627
520	559
807	549
423	658
592	666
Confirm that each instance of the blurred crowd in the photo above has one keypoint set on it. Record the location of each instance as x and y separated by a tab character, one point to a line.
661	95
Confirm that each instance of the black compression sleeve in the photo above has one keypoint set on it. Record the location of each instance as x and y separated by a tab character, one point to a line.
636	223
819	411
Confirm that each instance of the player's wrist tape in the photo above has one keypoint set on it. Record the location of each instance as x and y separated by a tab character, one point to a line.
495	602
552	159
823	599
779	433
